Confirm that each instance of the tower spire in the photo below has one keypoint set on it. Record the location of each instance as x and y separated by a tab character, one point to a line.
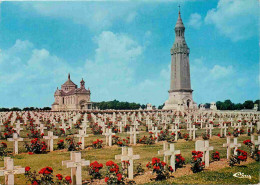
69	76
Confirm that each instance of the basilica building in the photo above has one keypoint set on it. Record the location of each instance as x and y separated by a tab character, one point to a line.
70	97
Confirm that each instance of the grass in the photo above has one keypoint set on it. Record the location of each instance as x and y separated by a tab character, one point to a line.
147	152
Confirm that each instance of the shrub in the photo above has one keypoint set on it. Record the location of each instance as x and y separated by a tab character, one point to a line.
215	156
61	144
196	162
205	136
179	161
113	176
36	146
45	176
94	170
161	169
97	144
236	159
72	145
3	149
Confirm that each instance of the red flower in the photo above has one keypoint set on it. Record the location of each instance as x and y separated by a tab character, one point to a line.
59	176
68	178
119	176
35	183
106	179
27	168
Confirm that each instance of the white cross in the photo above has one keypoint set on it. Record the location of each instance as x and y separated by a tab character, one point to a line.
10	170
162	152
18	129
76	163
15	139
41	128
155	131
175	130
132	133
228	147
81	137
235	145
193	129
49	139
205	148
172	152
108	135
129	157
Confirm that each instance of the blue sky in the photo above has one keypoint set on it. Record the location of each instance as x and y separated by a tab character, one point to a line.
122	49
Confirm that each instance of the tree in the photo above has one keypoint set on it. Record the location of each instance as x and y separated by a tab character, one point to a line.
160	106
249	104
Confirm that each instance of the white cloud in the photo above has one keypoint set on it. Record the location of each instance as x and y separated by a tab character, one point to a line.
236	19
221	71
195	20
96	16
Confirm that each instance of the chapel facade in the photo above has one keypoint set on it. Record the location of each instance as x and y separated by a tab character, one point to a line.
70	97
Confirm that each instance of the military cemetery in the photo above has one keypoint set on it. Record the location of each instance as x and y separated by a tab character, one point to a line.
78	140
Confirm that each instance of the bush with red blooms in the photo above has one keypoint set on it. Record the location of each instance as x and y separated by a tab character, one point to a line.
162	170
253	149
236	133
215	156
186	136
236	159
45	176
72	145
36	146
96	129
97	144
179	161
8	130
123	142
127	128
3	150
59	132
125	165
147	139
113	175
205	136
61	144
165	135
34	134
196	161
94	170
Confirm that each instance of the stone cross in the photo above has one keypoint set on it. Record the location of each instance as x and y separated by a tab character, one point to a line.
133	133
228	147
41	128
175	130
10	170
235	145
120	125
64	127
108	135
49	139
129	157
165	148
155	132
250	126
15	139
172	152
76	163
192	129
81	135
254	141
18	128
205	148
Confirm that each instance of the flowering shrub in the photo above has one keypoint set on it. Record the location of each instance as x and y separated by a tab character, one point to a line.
97	144
215	156
72	145
179	161
61	144
236	133
3	149
236	159
253	149
205	136
161	169
36	146
45	176
196	162
59	132
139	169
96	129
147	140
34	134
186	136
94	170
113	176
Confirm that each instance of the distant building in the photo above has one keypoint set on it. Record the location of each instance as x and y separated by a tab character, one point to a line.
70	97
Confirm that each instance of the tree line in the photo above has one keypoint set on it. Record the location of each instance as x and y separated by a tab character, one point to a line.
117	105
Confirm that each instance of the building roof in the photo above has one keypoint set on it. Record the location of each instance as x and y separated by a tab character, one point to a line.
69	82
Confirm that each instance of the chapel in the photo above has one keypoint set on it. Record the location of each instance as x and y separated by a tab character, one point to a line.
70	97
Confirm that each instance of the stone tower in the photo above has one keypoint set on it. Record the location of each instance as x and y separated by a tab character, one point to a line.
180	93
